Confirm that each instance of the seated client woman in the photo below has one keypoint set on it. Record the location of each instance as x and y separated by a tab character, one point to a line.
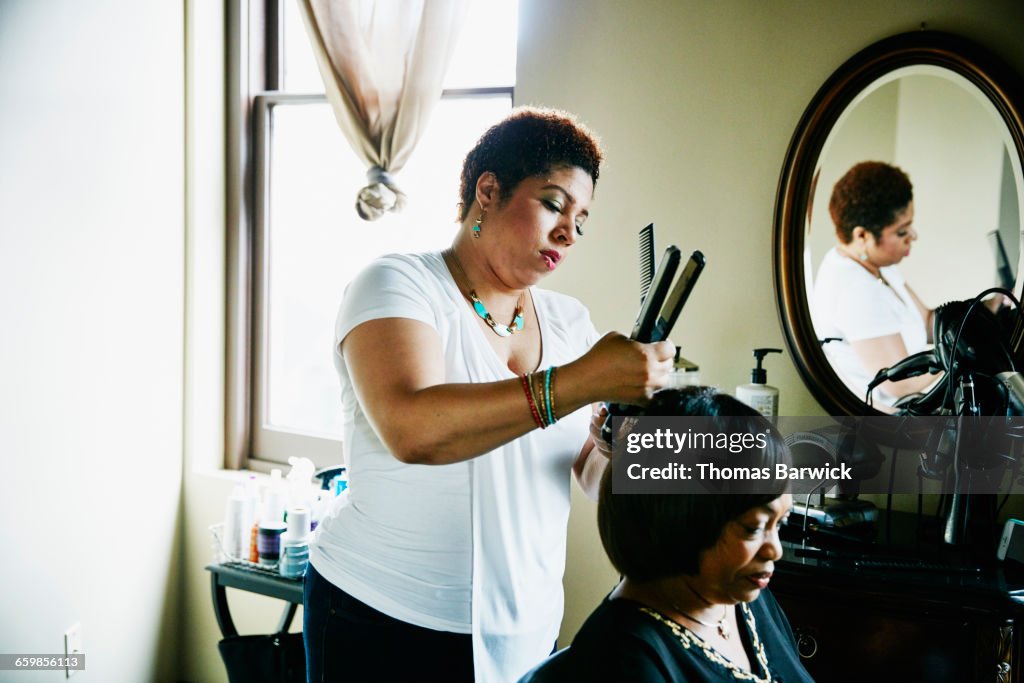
693	603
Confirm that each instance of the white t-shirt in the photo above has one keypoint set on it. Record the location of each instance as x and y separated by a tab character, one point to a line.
471	547
852	304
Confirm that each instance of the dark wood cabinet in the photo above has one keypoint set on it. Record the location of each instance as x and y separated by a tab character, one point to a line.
878	623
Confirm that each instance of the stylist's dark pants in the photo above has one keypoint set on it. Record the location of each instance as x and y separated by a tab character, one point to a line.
348	641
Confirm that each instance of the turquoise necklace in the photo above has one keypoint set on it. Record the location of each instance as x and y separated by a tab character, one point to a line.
501	330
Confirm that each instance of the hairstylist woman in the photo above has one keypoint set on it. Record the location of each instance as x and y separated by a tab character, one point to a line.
463	389
860	296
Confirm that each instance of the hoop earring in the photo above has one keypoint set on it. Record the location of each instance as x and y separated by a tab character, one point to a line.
479	223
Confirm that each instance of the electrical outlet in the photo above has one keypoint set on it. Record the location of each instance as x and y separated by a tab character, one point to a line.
72	646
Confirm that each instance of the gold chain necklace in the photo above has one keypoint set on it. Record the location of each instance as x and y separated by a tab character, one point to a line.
688	640
517	323
721	625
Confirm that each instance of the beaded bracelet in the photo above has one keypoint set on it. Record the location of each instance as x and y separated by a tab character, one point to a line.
536	395
528	390
548	405
553	410
542	392
540	396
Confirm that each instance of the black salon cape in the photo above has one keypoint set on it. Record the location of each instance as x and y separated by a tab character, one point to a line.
618	642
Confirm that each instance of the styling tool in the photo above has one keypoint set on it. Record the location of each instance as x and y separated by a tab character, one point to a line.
669	313
646	260
660	310
1016	339
650	309
1004	271
661	307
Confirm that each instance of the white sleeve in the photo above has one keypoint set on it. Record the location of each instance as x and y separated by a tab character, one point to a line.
390	287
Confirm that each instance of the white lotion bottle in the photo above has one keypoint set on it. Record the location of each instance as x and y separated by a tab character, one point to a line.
760	395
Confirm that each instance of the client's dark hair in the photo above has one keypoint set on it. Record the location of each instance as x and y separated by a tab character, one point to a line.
528	142
653	536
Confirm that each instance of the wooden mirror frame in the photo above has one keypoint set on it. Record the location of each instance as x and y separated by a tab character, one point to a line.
996	80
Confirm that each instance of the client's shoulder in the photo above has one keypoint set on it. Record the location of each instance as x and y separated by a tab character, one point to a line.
615	621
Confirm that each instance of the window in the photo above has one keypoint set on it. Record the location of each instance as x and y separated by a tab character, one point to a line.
307	241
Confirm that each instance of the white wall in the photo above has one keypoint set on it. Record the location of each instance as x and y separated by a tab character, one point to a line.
91	353
957	187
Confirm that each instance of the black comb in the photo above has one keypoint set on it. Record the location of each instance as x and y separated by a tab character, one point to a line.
646	260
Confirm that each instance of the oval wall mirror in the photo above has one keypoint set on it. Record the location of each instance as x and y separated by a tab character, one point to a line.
948	113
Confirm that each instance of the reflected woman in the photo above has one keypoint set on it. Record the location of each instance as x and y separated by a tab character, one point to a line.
860	298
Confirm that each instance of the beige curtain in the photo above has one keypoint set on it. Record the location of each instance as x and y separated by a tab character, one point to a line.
383	64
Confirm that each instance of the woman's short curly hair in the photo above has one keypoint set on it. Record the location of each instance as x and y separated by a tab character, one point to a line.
528	142
869	195
650	536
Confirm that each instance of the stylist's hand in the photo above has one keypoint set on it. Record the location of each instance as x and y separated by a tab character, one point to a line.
597	422
997	301
596	428
620	370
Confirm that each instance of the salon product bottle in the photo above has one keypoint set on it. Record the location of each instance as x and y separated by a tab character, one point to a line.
295	544
235	543
274	498
685	373
251	492
254	550
339	483
268	543
301	489
271	524
266	504
760	395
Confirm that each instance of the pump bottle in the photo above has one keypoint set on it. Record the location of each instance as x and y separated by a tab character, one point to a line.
760	395
295	544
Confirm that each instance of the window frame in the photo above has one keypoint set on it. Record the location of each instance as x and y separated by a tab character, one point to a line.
254	75
263	441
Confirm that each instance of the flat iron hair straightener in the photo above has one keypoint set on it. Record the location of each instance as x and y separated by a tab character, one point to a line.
661	308
661	305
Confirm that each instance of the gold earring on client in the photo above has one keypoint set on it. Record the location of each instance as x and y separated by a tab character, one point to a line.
479	223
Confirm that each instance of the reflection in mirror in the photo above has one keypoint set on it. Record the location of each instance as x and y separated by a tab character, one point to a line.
942	131
946	135
943	110
860	302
